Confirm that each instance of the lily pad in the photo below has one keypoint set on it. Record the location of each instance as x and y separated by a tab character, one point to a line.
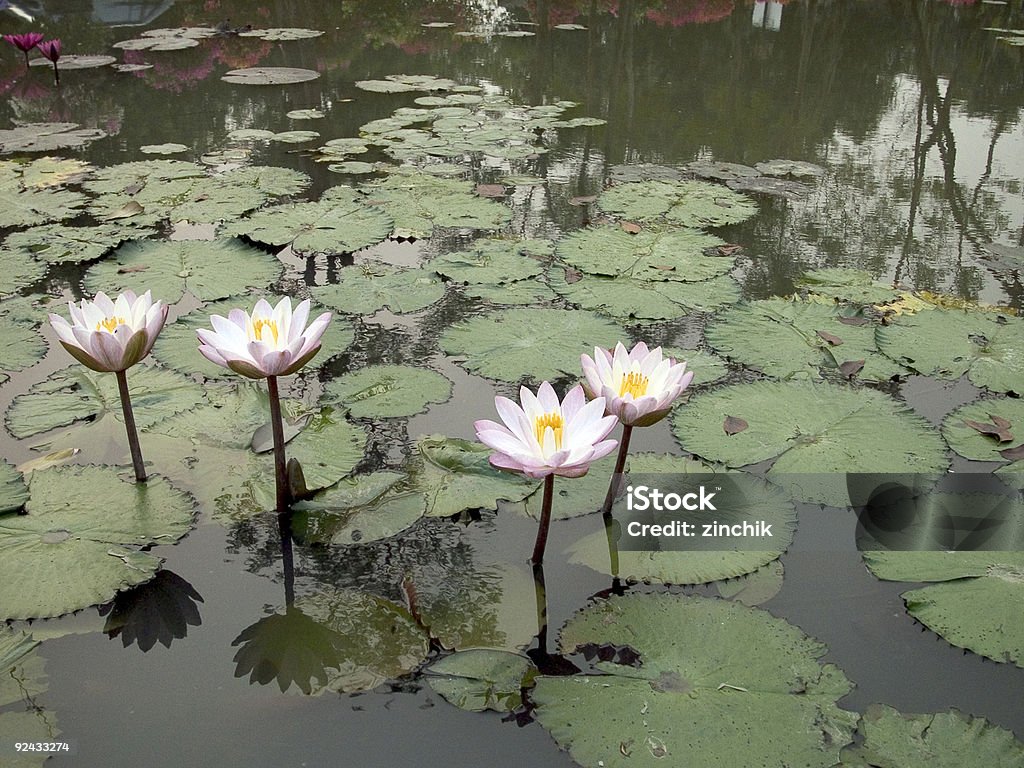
277	34
381	518
970	443
366	289
76	394
797	168
305	114
822	429
45	172
988	347
940	740
269	76
47	137
784	338
707	368
843	284
540	344
689	203
33	726
210	270
126	176
674	254
21	671
23	344
388	391
756	587
336	225
765	185
29	207
295	137
404	83
163	149
13	492
721	171
521	293
737	687
58	244
493	261
73	61
354	168
19	272
481	678
71	549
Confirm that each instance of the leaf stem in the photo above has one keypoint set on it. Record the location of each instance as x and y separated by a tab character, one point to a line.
613	490
545	521
129	426
280	466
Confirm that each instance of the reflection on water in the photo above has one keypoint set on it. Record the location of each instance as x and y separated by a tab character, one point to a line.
161	610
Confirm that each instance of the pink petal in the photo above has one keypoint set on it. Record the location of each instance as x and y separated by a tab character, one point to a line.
573	402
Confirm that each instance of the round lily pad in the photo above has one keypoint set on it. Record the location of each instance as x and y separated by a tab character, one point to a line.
270	76
13	492
277	34
971	443
816	433
482	678
163	149
73	61
796	339
355	168
948	343
57	244
737	687
30	207
689	203
46	137
295	137
707	368
493	261
388	391
72	548
364	290
515	344
304	114
843	284
208	270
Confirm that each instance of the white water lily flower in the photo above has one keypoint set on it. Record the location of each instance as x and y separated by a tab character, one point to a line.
547	437
638	386
111	335
272	341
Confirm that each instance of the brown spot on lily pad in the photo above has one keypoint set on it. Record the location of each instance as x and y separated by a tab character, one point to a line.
854	320
490	190
631	227
999	431
831	338
851	368
572	275
1013	454
733	425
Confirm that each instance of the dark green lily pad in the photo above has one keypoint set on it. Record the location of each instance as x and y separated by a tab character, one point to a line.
494	261
13	492
57	244
366	289
209	270
843	284
825	429
689	203
737	687
521	293
514	344
387	391
75	394
948	343
781	337
972	444
482	678
674	254
71	549
269	76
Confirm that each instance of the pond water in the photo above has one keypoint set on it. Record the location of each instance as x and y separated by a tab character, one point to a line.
909	116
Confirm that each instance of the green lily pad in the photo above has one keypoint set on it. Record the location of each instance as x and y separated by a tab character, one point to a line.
854	285
305	114
211	270
405	83
988	347
45	172
33	726
822	429
482	678
19	272
57	244
521	293
388	391
579	122
455	475
328	448
737	687
71	549
939	740
31	207
381	518
689	203
782	338
163	149
23	344
47	137
674	254
354	168
366	289
797	168
279	34
295	137
74	394
707	368
178	347
13	492
250	134
756	587
494	261
972	444
269	76
577	496
418	202
21	671
514	344
721	171
118	178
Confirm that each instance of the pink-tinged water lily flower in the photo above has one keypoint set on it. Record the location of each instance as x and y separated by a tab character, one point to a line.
111	335
50	49
272	341
25	42
638	386
547	437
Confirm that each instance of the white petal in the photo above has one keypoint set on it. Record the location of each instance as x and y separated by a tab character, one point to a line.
547	398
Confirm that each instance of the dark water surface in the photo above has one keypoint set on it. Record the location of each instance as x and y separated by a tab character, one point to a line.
913	109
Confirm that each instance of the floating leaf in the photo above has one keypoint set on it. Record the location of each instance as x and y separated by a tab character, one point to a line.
689	203
328	449
13	492
29	207
380	518
823	429
45	172
46	137
738	687
56	244
842	284
784	188
734	425
19	271
493	261
524	292
209	270
754	588
305	114
52	459
404	83
364	291
831	338
798	168
22	343
721	171
70	550
481	678
269	76
988	347
72	61
295	137
163	149
1013	454
541	344
706	367
783	338
387	391
354	168
972	443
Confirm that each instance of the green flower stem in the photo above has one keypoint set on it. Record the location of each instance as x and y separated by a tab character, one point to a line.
129	426
541	594
280	466
545	521
613	490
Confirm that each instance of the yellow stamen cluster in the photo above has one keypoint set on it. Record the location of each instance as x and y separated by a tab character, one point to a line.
553	420
259	325
109	324
634	384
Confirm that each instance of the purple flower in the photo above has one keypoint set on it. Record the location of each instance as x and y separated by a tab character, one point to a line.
27	41
50	49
